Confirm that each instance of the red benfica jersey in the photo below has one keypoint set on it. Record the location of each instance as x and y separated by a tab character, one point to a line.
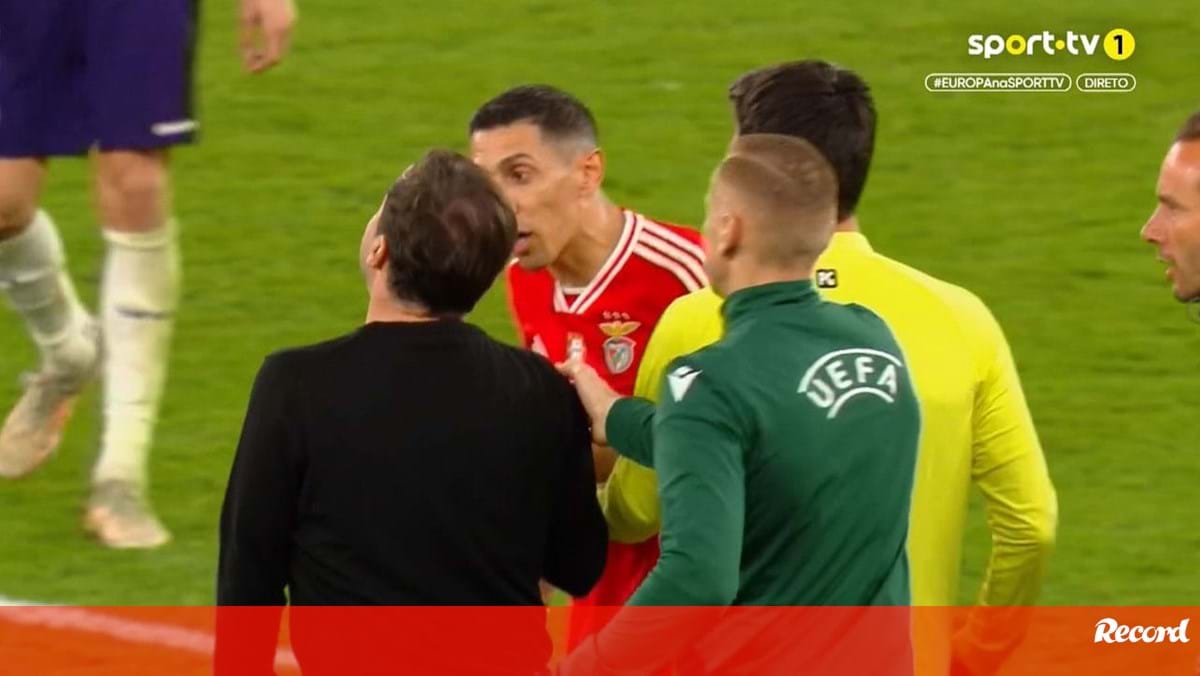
609	322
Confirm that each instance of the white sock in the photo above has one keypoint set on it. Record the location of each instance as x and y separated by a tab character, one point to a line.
33	276
139	295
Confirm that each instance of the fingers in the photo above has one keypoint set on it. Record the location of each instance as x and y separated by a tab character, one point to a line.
248	23
567	368
277	38
574	368
266	32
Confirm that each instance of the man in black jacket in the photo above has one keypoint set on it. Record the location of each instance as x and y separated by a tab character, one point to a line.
415	461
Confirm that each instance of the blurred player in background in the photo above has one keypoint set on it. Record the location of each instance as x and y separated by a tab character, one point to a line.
589	279
1174	227
976	426
113	79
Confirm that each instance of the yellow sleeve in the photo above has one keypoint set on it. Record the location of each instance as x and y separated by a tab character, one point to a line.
630	497
1009	468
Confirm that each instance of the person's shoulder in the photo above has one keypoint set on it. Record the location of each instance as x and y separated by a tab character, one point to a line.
303	355
718	359
854	312
674	232
519	356
282	368
698	312
851	326
699	303
955	300
667	260
527	369
715	371
950	307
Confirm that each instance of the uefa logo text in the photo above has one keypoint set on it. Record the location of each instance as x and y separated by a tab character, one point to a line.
1118	44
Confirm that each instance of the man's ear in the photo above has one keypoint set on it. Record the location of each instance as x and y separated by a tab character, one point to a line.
730	229
592	172
377	253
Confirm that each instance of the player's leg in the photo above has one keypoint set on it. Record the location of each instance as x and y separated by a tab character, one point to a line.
140	79
41	99
139	293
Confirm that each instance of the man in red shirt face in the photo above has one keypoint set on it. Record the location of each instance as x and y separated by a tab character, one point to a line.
589	278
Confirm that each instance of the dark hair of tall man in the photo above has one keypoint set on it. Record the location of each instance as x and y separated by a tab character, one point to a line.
824	104
449	233
557	114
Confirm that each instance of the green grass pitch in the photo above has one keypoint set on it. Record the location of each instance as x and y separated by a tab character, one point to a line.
1033	201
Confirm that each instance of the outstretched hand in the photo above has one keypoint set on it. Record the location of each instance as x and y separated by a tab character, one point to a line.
596	395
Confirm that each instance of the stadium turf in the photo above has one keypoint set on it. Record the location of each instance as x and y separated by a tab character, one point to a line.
1033	201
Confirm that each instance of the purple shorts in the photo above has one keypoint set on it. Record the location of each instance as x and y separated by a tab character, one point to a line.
110	74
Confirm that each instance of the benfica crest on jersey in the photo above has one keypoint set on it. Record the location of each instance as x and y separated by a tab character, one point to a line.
619	347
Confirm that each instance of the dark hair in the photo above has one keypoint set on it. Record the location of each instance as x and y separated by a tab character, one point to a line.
1191	129
449	233
826	105
556	113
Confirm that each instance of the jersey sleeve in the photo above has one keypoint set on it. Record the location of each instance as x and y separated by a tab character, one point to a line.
699	456
1009	467
630	497
699	451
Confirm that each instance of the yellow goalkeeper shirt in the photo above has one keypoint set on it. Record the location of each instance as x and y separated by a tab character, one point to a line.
976	426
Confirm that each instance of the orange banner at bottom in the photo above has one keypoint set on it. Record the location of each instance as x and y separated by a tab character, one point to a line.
685	641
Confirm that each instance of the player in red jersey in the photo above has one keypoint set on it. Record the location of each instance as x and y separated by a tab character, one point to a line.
588	276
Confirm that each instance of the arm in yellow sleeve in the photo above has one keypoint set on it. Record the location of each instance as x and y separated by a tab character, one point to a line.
630	498
1010	470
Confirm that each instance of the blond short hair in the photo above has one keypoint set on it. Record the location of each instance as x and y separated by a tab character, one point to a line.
786	188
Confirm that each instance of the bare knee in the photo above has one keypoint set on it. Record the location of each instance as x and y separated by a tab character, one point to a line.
15	215
133	190
20	185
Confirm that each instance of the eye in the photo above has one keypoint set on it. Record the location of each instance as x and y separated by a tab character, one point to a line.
520	173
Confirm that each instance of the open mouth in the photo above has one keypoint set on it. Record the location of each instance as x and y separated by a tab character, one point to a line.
521	246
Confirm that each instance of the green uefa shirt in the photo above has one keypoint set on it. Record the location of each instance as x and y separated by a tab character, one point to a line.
785	456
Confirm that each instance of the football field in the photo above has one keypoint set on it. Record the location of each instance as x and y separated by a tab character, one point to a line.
1031	200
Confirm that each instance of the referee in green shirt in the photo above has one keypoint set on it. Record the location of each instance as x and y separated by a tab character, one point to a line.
784	452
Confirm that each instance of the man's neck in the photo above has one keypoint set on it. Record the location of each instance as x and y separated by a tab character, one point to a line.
739	280
848	224
582	258
385	308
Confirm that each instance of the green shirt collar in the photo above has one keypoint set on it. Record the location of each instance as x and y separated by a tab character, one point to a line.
749	301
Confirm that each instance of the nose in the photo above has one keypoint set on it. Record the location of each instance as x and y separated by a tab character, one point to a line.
512	201
1152	231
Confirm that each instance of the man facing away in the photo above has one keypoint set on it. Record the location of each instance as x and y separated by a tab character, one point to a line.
415	461
589	278
784	451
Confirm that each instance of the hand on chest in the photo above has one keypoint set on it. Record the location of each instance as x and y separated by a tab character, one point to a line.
611	341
